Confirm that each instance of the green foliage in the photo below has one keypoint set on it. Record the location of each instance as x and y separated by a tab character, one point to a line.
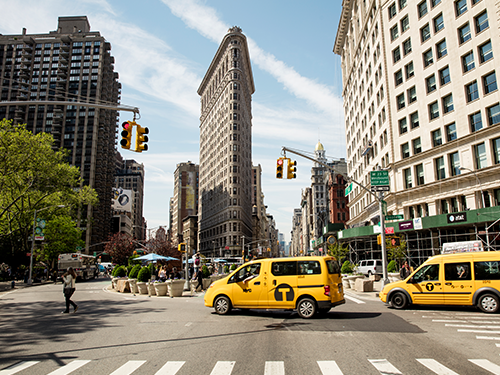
144	274
62	236
129	268
392	266
134	271
347	267
119	271
396	253
205	272
233	267
133	261
225	269
338	251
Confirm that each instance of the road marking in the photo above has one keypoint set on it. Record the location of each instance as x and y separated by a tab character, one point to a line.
475	331
329	368
188	324
223	368
70	367
170	368
448	321
274	368
18	367
487	365
436	367
470	326
353	299
385	367
128	368
498	345
487	338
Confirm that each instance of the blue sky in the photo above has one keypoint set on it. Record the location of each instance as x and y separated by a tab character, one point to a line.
162	49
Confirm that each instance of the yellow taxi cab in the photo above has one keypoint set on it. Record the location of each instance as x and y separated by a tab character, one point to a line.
308	284
471	278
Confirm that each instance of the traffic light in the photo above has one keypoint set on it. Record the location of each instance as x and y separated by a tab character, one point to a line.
395	241
182	247
279	168
291	169
126	134
140	138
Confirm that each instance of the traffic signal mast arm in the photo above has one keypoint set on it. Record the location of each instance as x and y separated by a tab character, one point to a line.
118	107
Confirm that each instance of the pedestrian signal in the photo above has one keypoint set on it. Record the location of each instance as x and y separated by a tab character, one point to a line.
395	241
126	134
279	168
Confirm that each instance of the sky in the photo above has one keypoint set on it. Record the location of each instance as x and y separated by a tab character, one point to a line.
162	50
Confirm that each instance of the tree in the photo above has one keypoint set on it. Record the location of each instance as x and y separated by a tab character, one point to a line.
338	251
397	253
33	177
120	247
162	246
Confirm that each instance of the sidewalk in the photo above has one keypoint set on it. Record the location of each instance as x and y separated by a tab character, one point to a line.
185	293
6	286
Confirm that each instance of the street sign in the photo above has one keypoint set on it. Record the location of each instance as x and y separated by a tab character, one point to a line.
394	217
348	189
379	178
380	188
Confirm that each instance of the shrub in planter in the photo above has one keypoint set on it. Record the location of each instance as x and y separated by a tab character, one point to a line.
233	267
205	272
226	269
346	267
134	271
121	271
144	275
392	266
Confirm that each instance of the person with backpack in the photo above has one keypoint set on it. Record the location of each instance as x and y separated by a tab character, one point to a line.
197	262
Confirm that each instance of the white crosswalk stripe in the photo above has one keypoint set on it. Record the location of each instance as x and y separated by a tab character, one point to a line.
170	368
487	365
436	367
223	368
353	299
18	367
70	367
329	368
128	368
384	367
274	368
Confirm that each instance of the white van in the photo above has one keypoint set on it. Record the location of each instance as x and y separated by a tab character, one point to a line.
370	267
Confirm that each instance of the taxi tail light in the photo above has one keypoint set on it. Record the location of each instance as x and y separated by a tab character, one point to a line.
327	290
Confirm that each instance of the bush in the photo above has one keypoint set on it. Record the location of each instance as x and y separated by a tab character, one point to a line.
129	268
119	271
144	275
205	272
233	267
347	267
134	271
392	266
226	269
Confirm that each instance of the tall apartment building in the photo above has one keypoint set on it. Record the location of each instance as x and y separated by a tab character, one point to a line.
421	99
69	64
225	204
185	199
129	175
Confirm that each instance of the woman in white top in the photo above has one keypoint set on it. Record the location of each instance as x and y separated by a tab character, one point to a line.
69	279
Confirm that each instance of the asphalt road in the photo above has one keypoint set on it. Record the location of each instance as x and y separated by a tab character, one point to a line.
116	333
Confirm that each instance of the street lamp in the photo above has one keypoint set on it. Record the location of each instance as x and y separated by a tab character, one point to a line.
30	281
479	183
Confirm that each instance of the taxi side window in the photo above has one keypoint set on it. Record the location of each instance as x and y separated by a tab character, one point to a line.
487	270
309	268
333	266
427	273
245	272
457	271
284	268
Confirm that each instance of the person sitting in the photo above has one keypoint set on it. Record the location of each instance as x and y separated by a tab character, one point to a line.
163	274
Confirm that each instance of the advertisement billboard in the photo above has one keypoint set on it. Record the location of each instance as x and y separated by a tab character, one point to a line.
122	199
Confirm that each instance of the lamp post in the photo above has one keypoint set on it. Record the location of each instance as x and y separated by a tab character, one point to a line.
479	183
30	280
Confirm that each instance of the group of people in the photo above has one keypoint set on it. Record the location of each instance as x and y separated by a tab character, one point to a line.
164	273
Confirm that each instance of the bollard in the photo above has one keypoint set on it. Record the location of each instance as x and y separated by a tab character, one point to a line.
13	284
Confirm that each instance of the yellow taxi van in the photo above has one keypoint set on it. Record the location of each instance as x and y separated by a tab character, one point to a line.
471	278
309	284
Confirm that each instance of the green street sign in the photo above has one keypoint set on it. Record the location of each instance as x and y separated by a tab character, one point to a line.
348	189
394	217
379	178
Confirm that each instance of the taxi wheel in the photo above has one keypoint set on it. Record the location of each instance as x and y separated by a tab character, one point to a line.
488	303
222	305
398	300
306	308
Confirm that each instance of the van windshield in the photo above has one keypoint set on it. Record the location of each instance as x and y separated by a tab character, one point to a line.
333	266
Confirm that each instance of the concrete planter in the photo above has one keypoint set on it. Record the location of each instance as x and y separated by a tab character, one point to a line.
151	289
161	289
345	283
175	287
352	280
113	282
393	277
133	286
143	287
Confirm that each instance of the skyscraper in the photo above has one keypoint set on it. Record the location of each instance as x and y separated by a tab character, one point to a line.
225	203
71	64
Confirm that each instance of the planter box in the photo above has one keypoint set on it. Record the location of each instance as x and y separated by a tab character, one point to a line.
352	280
143	287
393	277
364	285
133	286
151	289
175	287
161	289
345	284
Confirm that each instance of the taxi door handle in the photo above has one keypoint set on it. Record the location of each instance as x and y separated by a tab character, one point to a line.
274	282
256	283
437	284
448	284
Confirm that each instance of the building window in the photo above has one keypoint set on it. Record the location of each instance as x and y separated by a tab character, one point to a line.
448	103
425	33
444	206
440	170
409	70
402	4
435	2
485	52
464	33
475	122
401	101
436	138
481	22
407	46
454	164
396	54
414	120
496	150
441	49
405	150
471	91
460	7
431	84
493	114
422	9
451	132
438	23
480	154
444	76
433	110
419	174
412	95
394	32
417	146
392	10
398	77
428	60
468	62
407	176
403	126
405	24
490	83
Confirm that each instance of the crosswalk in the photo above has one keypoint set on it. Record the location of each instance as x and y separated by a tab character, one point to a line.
383	366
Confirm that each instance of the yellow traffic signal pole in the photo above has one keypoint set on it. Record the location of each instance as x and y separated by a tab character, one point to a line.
379	198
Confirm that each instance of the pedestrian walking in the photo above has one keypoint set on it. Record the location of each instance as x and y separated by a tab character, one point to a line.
404	272
199	278
69	280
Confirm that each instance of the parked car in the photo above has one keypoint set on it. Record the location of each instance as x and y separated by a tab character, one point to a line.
370	267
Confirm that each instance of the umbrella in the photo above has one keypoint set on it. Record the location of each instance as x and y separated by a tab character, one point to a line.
152	257
220	261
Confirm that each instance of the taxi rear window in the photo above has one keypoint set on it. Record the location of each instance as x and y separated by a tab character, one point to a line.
333	266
